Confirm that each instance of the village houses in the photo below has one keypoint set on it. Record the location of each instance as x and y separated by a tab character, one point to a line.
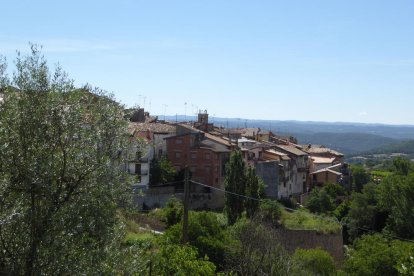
287	169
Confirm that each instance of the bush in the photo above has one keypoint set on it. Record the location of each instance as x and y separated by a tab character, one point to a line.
174	259
341	211
255	250
334	190
205	233
320	201
173	211
313	262
376	255
269	212
288	202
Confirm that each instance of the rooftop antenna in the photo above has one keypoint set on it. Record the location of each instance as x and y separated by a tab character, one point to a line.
144	101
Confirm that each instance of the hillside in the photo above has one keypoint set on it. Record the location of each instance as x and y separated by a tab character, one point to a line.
348	138
400	132
347	143
406	147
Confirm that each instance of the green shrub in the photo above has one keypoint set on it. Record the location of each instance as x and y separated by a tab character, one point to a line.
313	262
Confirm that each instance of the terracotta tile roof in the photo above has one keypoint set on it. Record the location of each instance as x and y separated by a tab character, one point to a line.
282	155
317	149
327	170
291	149
219	139
331	169
322	160
214	146
152	127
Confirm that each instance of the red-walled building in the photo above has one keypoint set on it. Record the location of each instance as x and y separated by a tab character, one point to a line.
206	156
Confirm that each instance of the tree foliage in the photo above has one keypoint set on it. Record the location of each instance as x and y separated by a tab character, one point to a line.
243	181
313	262
402	166
174	259
162	171
396	198
173	211
376	255
364	212
360	177
235	182
59	171
252	191
269	212
320	201
256	250
204	233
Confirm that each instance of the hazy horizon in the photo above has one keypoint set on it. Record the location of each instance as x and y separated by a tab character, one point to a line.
249	120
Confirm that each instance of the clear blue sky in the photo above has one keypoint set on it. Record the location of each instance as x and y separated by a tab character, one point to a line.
290	60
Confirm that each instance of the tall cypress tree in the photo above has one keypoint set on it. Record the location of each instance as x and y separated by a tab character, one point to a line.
235	182
252	190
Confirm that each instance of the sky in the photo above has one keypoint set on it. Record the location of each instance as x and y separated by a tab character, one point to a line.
335	61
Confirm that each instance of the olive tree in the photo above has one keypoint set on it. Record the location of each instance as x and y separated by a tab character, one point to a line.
60	177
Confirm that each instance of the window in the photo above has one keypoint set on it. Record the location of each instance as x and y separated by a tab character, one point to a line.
159	152
138	169
193	169
193	155
207	156
178	155
179	141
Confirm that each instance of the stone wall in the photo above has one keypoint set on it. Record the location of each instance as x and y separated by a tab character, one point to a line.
308	239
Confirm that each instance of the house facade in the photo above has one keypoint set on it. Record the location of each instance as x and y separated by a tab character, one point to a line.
206	157
147	142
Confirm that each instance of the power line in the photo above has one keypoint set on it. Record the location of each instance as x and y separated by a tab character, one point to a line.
292	210
317	216
261	200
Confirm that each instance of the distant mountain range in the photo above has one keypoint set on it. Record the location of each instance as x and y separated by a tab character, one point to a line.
347	143
348	138
406	147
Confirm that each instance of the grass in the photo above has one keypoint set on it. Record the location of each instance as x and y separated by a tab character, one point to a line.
382	174
303	220
134	230
141	236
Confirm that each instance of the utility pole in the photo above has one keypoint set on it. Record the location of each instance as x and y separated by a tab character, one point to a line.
184	238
